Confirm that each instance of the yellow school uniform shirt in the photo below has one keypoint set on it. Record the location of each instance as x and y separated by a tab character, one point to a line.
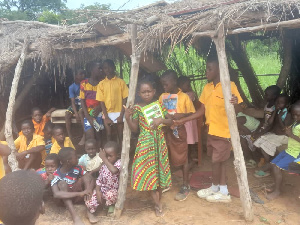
56	147
39	127
112	92
37	140
184	103
215	113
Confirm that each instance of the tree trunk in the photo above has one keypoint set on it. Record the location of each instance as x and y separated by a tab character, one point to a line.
135	59
286	61
13	163
239	161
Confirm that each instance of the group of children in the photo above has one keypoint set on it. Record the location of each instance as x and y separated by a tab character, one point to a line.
166	126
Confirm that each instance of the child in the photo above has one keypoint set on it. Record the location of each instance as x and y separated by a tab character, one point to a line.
75	108
282	161
4	152
24	206
90	105
51	164
112	93
150	168
60	140
179	105
107	184
48	139
70	182
218	139
30	146
91	161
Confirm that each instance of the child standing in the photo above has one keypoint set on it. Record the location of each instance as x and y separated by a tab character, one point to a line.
51	164
71	182
282	161
91	161
178	105
75	108
107	183
112	93
90	105
60	140
150	168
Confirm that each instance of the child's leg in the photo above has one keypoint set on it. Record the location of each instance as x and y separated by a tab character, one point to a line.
34	161
63	186
108	131
278	181
216	173
185	172
68	117
120	127
266	156
81	115
92	206
158	206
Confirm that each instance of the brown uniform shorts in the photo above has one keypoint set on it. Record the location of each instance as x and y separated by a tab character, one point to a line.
218	148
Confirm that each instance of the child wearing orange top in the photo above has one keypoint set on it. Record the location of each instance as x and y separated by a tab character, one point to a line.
60	140
112	93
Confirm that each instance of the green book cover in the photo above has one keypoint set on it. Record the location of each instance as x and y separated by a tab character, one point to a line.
151	111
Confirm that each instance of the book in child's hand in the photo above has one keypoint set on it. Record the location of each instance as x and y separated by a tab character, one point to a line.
170	102
151	111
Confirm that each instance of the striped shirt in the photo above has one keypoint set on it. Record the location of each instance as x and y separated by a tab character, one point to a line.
88	92
70	177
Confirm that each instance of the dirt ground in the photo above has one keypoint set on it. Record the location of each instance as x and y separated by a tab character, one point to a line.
139	208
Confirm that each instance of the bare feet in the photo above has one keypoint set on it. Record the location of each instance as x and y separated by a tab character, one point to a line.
92	218
77	221
81	142
273	195
159	211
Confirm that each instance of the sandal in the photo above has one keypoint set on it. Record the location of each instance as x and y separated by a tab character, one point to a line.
159	212
260	174
251	164
111	210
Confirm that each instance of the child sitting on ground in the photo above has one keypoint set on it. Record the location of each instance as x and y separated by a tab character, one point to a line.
91	161
178	105
60	140
75	108
51	164
282	161
269	142
30	147
112	92
24	206
107	184
71	182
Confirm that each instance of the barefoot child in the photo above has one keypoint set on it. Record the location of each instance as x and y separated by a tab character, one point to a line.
107	183
150	168
91	161
282	161
75	108
112	92
60	140
51	164
70	182
179	105
21	207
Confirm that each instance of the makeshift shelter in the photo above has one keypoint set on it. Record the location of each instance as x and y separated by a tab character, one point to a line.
53	49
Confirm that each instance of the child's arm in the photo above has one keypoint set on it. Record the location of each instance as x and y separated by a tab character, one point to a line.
65	194
120	118
289	133
178	116
104	111
99	194
199	112
132	123
4	150
33	150
48	114
111	167
75	110
158	121
241	120
97	169
272	117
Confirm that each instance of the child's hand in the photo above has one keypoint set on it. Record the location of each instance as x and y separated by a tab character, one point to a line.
20	155
234	100
102	154
177	123
128	111
96	112
48	114
156	123
50	177
120	119
178	116
108	121
99	197
288	131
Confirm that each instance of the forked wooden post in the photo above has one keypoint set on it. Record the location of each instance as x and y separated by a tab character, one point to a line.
239	162
13	163
135	60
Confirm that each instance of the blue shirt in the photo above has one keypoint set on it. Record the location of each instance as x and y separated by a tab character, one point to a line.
74	90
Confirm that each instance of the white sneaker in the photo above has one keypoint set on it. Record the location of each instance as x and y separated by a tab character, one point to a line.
219	197
203	193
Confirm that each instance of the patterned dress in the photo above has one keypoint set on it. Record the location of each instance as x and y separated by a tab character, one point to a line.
150	168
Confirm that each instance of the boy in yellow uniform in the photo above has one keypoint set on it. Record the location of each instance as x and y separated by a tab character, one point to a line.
60	140
112	92
218	140
179	105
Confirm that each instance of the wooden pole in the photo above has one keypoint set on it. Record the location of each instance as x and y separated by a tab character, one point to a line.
13	163
287	44
239	162
135	60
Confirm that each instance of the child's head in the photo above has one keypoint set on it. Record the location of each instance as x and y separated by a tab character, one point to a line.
212	68
48	130
282	101
27	128
112	151
36	114
58	134
67	157
109	67
271	93
184	83
295	110
146	90
80	75
96	70
169	80
51	163
21	194
91	147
